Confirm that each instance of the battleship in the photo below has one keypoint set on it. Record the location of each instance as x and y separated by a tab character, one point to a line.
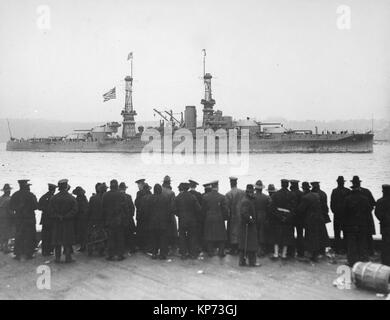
261	137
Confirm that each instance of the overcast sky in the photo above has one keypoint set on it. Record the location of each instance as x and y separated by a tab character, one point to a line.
278	58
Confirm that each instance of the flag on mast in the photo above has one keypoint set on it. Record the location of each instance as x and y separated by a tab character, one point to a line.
204	52
110	95
130	56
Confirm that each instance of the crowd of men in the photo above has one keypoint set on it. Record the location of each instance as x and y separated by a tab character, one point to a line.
285	223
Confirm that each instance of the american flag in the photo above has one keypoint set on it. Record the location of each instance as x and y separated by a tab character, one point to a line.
110	95
130	56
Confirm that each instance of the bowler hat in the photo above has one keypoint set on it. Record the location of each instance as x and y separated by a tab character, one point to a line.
122	185
356	179
340	178
259	185
78	190
6	187
23	181
271	188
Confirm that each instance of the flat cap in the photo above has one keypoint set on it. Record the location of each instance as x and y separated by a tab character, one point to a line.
63	181
140	181
52	186
293	181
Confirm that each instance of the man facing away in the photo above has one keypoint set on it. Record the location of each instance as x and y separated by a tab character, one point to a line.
63	209
356	182
357	212
6	219
337	199
114	207
129	219
382	212
200	217
233	200
262	207
46	223
248	243
24	203
187	209
215	209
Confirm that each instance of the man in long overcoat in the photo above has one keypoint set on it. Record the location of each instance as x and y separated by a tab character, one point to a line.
337	199
233	199
357	213
283	203
129	219
262	208
248	244
24	203
142	233
356	182
200	217
6	219
170	196
382	212
46	222
81	218
310	212
63	210
114	207
215	209
298	221
187	209
96	232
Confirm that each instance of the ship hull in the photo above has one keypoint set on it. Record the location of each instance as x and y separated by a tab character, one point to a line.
353	143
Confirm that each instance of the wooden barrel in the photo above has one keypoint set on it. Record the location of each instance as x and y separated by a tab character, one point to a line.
372	276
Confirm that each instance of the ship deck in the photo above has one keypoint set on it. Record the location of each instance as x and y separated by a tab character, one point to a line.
139	277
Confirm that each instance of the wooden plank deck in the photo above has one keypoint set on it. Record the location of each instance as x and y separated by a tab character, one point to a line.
139	277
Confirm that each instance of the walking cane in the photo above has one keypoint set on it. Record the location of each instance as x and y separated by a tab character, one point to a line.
246	241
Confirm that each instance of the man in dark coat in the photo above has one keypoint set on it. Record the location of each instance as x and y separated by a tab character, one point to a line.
357	212
170	195
248	244
46	223
24	203
63	210
141	215
262	207
298	221
336	205
215	210
233	199
159	210
283	203
310	212
6	219
96	232
114	207
129	220
200	217
81	218
187	209
356	182
324	205
382	212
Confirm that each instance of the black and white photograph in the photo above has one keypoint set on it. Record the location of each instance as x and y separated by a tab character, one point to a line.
172	151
